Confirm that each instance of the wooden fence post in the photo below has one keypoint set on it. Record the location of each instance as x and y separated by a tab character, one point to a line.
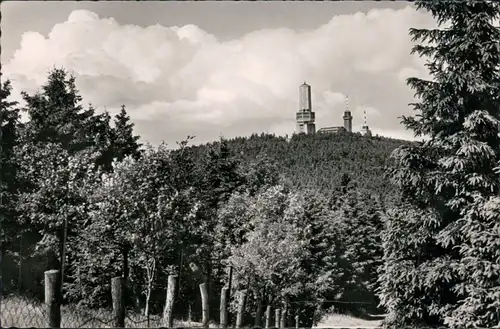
52	298
284	315
118	298
241	309
204	305
268	316
223	306
168	320
277	317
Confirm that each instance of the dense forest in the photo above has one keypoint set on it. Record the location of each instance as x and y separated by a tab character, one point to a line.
311	224
321	162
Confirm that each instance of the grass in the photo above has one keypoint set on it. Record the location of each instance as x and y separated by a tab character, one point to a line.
21	313
343	321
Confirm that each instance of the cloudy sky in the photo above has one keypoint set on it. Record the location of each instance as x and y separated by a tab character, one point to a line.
221	68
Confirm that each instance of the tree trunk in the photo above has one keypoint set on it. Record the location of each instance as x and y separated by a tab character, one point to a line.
63	253
150	271
290	314
179	280
148	297
137	297
125	263
190	313
125	275
21	256
209	276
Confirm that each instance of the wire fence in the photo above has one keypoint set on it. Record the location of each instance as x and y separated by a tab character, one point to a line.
22	312
25	308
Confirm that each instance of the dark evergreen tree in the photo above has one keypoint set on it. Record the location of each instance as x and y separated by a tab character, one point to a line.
359	214
9	121
100	131
260	174
125	143
344	181
9	232
219	177
56	116
442	244
57	143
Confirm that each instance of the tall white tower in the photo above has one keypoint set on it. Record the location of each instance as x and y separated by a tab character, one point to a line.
347	116
305	116
366	130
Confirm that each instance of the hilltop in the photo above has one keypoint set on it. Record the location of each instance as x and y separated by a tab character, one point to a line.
320	161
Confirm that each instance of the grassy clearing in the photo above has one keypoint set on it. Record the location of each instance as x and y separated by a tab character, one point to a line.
18	312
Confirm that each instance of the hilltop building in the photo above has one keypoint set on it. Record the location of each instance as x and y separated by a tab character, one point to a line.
347	116
340	129
332	130
365	130
305	116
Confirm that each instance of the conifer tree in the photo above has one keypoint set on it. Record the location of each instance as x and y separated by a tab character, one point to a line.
56	115
103	135
9	117
125	142
442	244
260	174
219	178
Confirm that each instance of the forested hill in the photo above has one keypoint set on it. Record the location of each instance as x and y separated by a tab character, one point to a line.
320	161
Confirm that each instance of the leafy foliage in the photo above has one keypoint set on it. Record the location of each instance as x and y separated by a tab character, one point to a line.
138	214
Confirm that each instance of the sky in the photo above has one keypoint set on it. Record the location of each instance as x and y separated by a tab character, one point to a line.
224	68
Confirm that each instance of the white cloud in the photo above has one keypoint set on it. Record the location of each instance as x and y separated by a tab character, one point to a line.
371	113
183	80
397	134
